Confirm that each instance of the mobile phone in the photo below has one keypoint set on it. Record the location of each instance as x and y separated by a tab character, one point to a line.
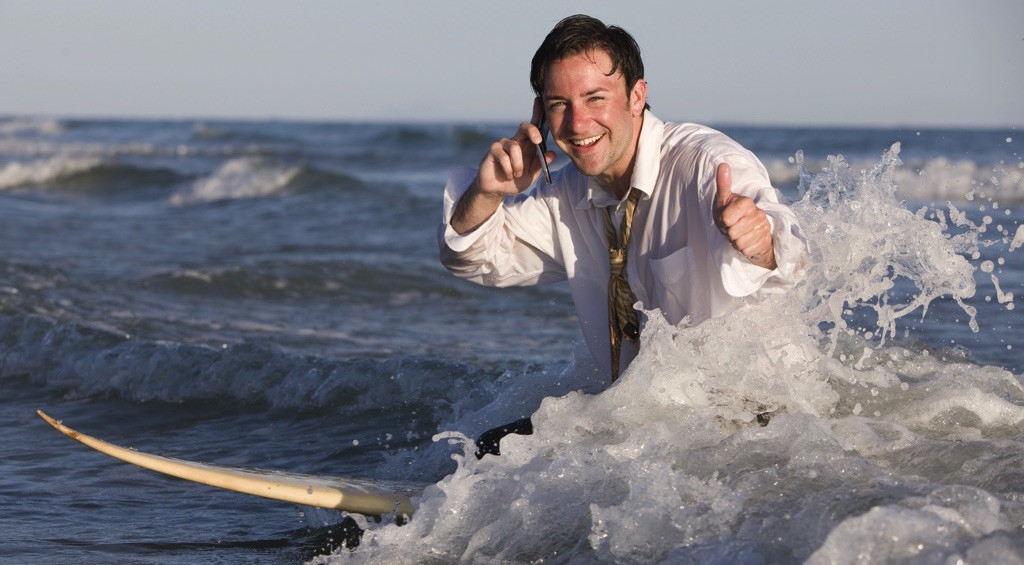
542	148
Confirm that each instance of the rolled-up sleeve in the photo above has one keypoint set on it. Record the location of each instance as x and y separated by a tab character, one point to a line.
514	247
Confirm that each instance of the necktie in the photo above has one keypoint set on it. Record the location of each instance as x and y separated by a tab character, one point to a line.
622	317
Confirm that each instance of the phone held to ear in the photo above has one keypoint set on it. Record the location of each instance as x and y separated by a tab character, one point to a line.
542	148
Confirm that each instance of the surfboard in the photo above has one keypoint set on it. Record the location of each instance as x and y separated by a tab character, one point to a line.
371	498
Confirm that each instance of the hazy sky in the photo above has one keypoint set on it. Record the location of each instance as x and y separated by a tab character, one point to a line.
871	62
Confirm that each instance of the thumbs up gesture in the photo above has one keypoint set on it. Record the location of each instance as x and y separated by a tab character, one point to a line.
740	220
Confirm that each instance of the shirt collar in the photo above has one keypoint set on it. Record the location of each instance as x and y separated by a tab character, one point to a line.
645	169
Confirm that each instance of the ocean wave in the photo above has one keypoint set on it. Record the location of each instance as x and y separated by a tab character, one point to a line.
936	179
247	134
31	126
405	136
45	171
83	174
85	361
259	177
473	138
428	136
81	146
366	279
23	284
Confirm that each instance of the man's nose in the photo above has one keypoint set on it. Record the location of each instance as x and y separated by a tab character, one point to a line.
579	118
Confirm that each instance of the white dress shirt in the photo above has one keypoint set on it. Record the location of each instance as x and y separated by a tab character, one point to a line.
677	259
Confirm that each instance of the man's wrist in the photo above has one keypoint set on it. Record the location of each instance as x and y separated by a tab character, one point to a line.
474	208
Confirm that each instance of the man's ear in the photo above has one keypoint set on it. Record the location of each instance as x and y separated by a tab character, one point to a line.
638	97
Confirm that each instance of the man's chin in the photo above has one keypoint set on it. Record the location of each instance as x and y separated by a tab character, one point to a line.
587	168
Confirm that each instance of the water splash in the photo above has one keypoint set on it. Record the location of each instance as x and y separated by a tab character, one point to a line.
871	252
874	450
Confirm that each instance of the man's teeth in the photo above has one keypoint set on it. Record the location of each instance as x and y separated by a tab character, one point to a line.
587	141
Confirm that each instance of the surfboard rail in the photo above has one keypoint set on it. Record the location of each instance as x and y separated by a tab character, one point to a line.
349	495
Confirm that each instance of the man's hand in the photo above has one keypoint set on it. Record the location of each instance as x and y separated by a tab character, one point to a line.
740	220
510	167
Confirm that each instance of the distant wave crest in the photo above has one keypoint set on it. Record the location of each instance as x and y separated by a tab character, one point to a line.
83	174
256	177
45	171
31	126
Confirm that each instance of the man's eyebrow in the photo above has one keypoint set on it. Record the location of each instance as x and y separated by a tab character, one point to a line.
598	90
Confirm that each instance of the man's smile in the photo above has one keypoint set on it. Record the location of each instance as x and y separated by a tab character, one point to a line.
586	142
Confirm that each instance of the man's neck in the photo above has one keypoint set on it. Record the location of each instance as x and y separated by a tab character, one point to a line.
620	186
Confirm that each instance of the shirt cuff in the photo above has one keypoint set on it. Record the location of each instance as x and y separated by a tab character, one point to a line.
741	278
458	183
791	248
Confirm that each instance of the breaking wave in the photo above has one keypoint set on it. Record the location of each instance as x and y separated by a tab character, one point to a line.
791	429
30	126
256	177
83	174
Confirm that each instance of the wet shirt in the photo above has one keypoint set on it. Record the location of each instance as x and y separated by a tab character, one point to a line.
678	261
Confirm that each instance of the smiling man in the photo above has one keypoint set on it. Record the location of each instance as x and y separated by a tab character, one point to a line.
677	217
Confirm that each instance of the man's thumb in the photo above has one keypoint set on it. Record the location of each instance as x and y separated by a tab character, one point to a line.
723	182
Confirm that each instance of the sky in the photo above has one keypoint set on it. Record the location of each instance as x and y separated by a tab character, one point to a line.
784	62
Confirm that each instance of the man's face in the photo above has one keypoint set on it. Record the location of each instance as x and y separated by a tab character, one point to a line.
591	117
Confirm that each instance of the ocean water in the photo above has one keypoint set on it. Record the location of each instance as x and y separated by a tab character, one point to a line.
267	294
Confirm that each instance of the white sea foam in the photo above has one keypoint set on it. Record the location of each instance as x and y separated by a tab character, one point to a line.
39	172
936	179
243	177
874	452
38	126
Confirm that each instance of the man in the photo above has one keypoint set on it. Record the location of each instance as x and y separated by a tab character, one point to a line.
677	217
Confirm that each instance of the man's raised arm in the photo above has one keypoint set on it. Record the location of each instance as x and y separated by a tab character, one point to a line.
510	167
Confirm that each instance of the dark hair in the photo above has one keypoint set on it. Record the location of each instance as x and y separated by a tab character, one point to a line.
580	34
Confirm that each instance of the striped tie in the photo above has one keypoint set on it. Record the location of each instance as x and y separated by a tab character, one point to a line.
622	317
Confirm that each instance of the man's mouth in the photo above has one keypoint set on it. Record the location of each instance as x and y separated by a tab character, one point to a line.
586	142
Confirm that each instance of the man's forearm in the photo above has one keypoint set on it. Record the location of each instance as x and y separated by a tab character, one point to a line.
473	209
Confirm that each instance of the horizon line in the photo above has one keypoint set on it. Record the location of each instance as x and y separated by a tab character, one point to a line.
952	125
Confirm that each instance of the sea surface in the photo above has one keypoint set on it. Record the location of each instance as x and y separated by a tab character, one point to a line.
268	294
